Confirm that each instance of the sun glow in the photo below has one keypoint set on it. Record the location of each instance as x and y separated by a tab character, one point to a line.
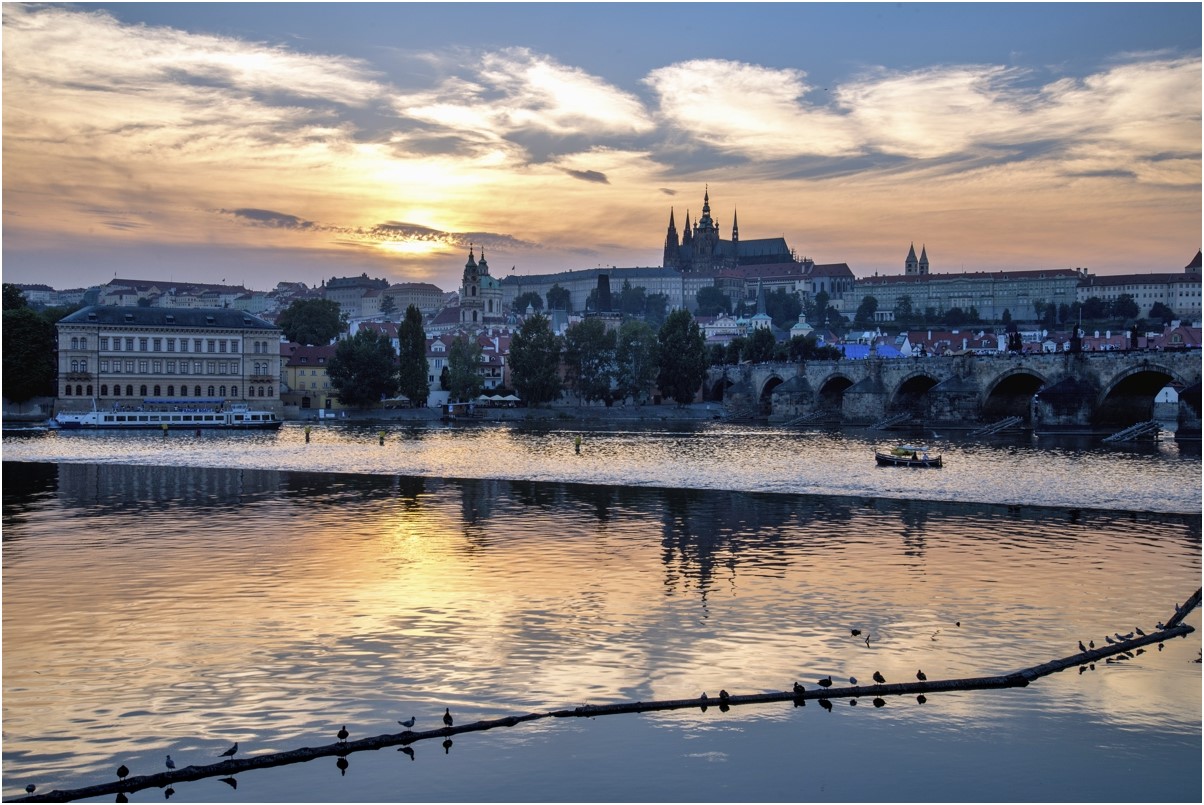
411	247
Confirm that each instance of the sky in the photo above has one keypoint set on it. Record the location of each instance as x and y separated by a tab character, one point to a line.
254	143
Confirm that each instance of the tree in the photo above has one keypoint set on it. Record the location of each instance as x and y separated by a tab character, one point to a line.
1094	308
529	299
807	348
388	306
1124	307
783	307
1161	312
445	379
535	361
903	309
363	369
632	301
1007	316
589	356
735	349
866	310
313	322
818	312
655	306
560	299
411	359
712	301
464	359
14	297
635	360
717	354
760	346
29	355
683	358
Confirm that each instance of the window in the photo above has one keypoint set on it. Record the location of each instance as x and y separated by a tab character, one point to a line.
129	344
171	367
210	345
157	344
269	391
157	392
142	391
209	368
75	366
143	367
75	343
221	345
104	390
171	391
104	342
171	345
129	369
221	392
196	345
157	367
89	390
129	391
211	390
196	391
234	391
67	390
142	344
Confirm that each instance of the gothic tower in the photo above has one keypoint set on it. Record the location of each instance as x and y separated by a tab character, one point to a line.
923	259
671	258
911	266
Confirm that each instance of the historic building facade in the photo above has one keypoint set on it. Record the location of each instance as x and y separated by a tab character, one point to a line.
701	249
480	294
129	356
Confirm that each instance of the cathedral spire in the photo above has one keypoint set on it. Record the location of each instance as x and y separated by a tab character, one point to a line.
735	227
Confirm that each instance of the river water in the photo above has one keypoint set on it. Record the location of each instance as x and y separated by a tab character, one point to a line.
172	595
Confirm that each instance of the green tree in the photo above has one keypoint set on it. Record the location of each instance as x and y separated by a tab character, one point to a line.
1094	308
866	310
445	379
589	357
560	299
683	357
529	299
717	354
535	361
655	306
903	310
14	297
1124	307
712	301
783	307
1160	312
760	346
412	366
29	355
388	306
1007	316
818	311
464	359
312	321
735	349
807	348
363	369
632	301
635	360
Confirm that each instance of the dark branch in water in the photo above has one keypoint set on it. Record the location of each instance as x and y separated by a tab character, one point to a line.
1015	679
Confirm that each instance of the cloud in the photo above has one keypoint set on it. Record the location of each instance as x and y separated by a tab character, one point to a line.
588	176
278	220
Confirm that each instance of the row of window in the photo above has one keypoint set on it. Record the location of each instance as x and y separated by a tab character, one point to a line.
150	344
218	391
168	367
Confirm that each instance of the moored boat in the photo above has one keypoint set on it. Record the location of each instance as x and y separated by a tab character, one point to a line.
907	455
237	416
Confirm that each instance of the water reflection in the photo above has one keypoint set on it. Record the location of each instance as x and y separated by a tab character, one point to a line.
268	605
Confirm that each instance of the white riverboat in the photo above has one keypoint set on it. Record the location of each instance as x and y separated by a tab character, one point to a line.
237	416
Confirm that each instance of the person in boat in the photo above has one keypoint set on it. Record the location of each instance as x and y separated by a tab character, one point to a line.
925	455
914	456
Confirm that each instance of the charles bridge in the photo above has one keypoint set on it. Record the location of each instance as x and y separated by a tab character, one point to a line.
1061	390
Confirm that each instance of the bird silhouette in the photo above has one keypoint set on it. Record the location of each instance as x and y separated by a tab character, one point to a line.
921	698
1160	625
703	699
342	764
1137	629
827	705
29	789
723	696
447	719
826	683
855	632
1081	646
1141	651
171	764
409	751
798	689
853	681
447	745
122	772
230	752
1160	647
409	722
879	678
1109	640
920	675
879	701
1091	643
343	734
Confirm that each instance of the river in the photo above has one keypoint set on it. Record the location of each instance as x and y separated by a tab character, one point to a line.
172	595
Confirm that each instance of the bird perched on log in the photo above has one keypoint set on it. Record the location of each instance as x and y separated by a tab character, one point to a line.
723	696
1138	630
1160	625
1081	646
230	752
879	678
798	689
920	675
343	734
122	772
1109	640
447	719
171	764
825	683
408	722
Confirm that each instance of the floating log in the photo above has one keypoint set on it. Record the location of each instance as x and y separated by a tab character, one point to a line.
1015	679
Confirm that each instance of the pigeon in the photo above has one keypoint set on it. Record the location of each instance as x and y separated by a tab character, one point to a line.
408	722
171	764
447	719
1082	668
920	675
879	678
343	734
826	683
230	752
408	751
1081	646
122	772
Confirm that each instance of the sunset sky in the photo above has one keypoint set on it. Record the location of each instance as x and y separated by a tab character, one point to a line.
255	143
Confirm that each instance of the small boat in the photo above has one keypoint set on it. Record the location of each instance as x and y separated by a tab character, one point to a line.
228	417
907	455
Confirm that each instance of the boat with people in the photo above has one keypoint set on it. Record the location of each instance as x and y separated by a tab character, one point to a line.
236	416
907	455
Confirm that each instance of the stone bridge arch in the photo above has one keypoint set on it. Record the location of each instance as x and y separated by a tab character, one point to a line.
830	394
765	397
1011	394
910	394
1128	397
716	391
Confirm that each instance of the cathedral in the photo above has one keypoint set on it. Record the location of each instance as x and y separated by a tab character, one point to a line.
701	249
480	294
